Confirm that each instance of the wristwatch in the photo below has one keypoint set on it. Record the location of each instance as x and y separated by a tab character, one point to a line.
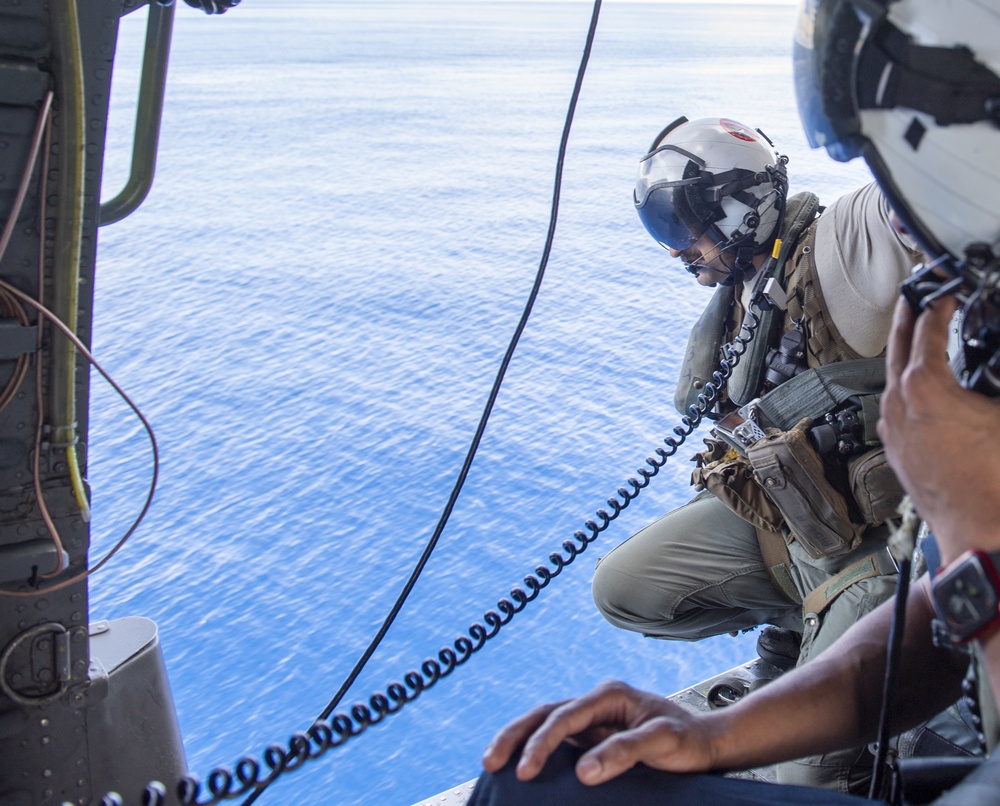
967	596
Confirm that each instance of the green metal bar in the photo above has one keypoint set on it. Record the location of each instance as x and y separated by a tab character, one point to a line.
149	113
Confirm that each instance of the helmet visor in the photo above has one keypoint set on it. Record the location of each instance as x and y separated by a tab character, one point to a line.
663	215
668	179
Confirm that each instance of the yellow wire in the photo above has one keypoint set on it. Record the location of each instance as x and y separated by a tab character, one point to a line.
77	478
72	99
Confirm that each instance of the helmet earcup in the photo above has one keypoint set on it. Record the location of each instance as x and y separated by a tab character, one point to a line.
838	29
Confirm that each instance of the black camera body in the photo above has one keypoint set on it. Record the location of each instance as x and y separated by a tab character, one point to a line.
841	432
788	359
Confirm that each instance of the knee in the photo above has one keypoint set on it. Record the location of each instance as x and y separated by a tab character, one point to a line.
613	595
495	789
557	783
631	603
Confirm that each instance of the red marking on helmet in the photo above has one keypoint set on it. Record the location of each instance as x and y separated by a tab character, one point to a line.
738	130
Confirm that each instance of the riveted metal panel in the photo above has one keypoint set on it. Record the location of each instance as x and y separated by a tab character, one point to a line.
48	686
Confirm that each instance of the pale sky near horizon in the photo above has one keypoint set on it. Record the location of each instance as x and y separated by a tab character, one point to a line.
717	2
589	2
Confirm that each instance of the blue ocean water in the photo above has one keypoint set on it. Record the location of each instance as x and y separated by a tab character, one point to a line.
350	205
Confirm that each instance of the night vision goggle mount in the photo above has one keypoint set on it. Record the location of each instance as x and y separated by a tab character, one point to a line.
975	282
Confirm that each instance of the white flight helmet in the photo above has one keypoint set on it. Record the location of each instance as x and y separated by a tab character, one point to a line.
712	175
914	87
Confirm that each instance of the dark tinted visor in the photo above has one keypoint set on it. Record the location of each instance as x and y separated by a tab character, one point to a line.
665	214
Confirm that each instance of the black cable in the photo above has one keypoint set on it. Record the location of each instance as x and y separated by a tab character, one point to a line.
481	428
893	651
321	735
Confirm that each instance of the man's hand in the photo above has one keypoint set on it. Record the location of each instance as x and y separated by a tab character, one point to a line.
621	725
939	437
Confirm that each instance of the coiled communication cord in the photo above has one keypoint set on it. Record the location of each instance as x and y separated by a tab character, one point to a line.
250	775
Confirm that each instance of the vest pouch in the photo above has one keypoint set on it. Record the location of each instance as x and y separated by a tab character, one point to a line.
875	487
791	471
728	476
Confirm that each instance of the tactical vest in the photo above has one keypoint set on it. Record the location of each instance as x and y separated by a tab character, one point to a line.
781	487
824	343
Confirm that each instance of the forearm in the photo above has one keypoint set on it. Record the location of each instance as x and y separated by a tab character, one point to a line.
834	701
812	709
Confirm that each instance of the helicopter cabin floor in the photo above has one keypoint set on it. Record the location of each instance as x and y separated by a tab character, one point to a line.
715	692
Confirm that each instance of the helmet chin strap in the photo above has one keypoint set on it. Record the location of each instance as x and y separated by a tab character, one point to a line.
742	268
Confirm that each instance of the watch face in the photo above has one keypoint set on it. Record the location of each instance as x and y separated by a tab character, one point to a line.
966	598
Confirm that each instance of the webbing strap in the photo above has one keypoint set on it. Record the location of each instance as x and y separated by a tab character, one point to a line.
816	391
778	562
745	381
876	564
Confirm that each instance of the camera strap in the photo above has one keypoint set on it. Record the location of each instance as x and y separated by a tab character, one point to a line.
878	563
819	390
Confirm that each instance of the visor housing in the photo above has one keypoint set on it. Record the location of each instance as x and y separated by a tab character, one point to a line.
664	202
